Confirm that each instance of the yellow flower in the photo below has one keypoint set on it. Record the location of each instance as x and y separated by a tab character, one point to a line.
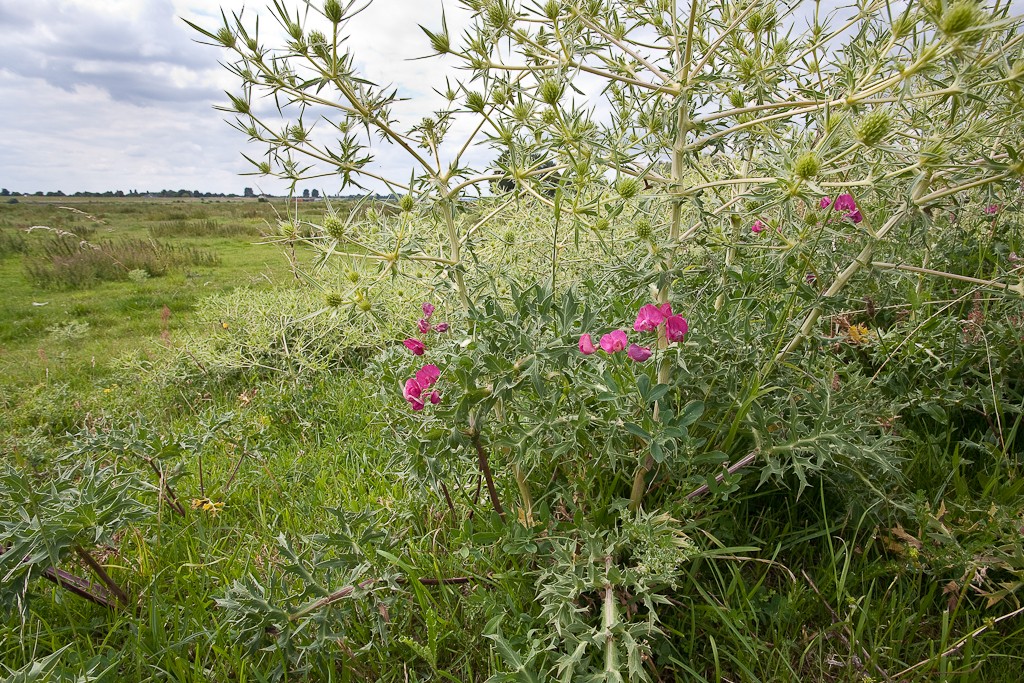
860	334
207	505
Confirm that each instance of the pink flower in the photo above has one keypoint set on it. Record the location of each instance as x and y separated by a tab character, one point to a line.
586	345
441	327
648	318
428	310
412	393
811	278
638	353
1013	258
844	202
415	345
427	375
757	227
676	328
415	386
855	216
614	341
991	209
825	202
665	309
423	325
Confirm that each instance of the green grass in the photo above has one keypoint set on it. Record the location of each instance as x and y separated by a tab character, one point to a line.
124	317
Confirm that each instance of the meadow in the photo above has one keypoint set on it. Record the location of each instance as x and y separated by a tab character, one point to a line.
278	471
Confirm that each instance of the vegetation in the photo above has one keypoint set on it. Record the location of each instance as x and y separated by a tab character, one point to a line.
722	384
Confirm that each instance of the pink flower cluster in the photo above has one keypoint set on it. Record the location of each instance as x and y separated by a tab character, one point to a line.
844	203
648	319
415	391
416	346
757	227
991	209
417	387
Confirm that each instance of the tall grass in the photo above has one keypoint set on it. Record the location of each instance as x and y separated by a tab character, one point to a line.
201	227
65	262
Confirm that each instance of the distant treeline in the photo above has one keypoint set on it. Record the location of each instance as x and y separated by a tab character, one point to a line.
118	193
248	192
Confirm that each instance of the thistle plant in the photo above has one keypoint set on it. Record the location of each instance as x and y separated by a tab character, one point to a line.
736	140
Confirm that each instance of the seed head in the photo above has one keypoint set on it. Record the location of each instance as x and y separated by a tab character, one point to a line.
407	203
334	299
807	165
548	117
333	226
873	128
736	99
601	224
552	9
353	276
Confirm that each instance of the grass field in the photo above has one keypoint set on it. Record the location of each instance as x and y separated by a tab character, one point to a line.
293	483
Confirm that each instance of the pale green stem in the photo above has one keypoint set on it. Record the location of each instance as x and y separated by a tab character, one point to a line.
863	260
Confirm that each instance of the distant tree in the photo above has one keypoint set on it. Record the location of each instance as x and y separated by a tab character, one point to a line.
248	192
315	194
39	193
5	192
119	193
305	194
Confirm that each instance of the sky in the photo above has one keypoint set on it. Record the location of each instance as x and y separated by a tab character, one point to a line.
100	95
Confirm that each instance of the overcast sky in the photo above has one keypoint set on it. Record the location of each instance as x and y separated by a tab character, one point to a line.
102	95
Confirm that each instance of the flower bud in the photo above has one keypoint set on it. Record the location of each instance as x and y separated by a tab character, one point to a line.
475	102
873	127
333	226
550	91
627	187
334	299
225	37
959	17
643	229
552	9
407	203
332	10
807	166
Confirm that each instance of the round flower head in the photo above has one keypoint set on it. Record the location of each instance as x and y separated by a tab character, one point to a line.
638	353
415	346
586	345
757	227
614	341
991	209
